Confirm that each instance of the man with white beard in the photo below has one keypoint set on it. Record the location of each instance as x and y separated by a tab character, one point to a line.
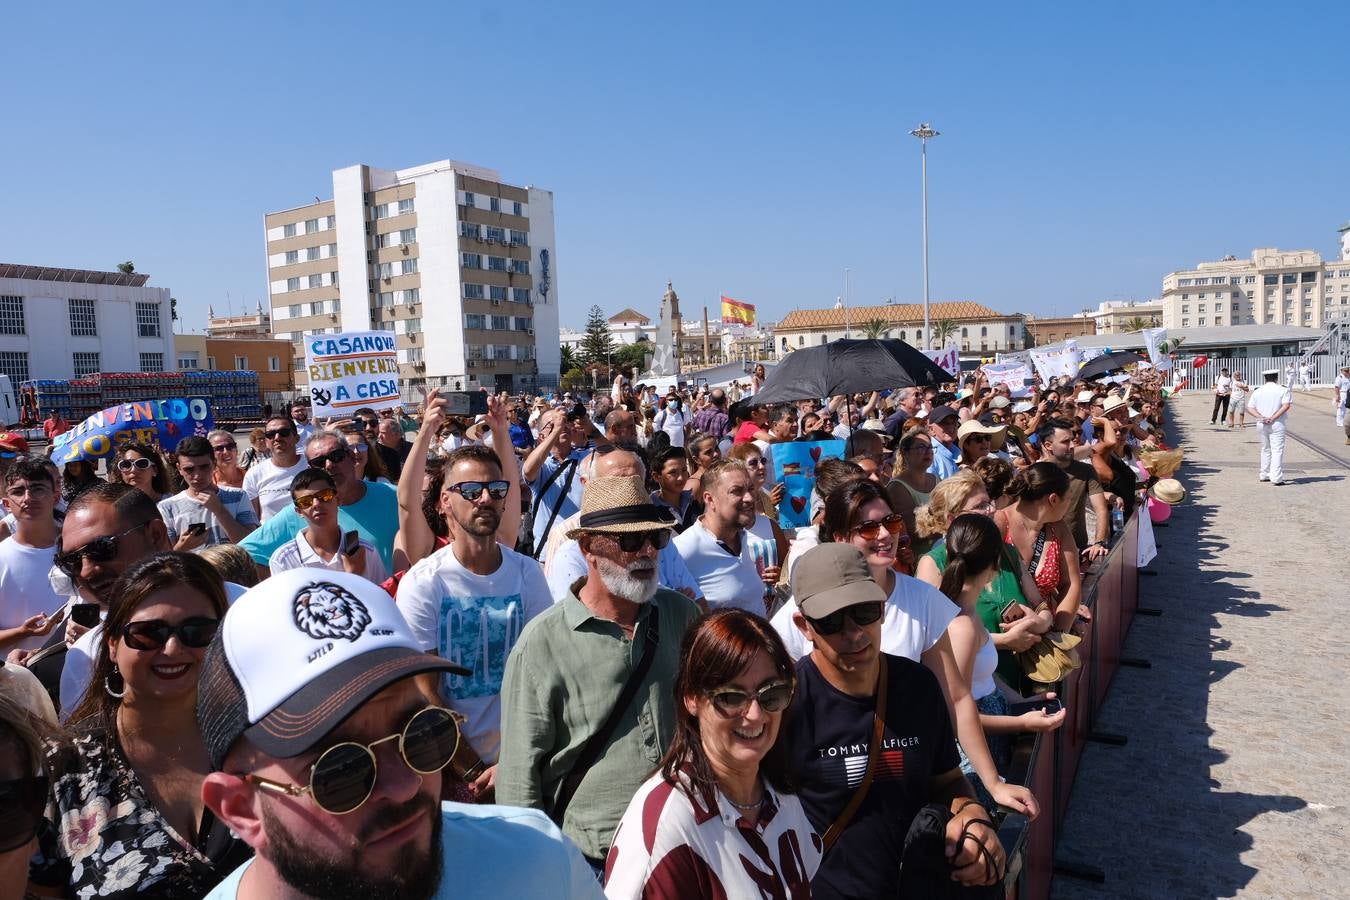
614	640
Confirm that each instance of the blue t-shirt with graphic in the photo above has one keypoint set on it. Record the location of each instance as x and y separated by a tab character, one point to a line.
473	620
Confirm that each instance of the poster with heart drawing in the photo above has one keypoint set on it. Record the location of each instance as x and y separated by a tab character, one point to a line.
794	464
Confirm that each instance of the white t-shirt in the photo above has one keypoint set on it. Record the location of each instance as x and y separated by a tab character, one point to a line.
473	620
807	537
270	485
1268	398
1341	383
673	423
297	553
723	579
1223	385
302	435
917	615
24	589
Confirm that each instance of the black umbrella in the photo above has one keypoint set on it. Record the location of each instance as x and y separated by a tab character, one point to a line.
848	367
1109	362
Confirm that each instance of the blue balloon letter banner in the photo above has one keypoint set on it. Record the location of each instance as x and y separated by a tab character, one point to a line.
155	422
794	464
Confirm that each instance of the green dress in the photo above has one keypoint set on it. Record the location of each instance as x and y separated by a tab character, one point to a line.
1006	587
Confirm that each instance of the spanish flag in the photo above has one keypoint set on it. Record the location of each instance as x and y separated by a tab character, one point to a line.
737	312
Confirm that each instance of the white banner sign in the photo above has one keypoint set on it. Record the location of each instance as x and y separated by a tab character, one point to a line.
350	370
1153	338
1055	362
1014	375
949	358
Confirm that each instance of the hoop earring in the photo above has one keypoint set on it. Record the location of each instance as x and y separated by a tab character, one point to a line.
107	686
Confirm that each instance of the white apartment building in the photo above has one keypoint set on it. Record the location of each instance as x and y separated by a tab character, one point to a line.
456	263
975	328
67	323
1118	316
1273	287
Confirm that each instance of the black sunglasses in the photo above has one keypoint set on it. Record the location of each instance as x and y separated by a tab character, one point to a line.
288	431
99	550
472	490
773	697
862	614
368	423
343	777
221	448
22	802
153	634
335	456
633	541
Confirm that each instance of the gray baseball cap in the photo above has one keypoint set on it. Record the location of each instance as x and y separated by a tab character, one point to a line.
830	577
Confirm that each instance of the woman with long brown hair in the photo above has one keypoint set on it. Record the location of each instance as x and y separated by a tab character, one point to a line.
687	832
913	483
1034	524
126	793
143	467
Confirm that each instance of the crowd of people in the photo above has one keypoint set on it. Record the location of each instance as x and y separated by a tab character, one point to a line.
568	647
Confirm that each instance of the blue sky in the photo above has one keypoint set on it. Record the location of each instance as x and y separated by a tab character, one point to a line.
755	149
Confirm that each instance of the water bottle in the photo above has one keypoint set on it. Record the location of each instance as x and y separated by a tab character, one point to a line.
1117	521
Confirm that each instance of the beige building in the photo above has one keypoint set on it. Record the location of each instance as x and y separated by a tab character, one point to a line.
257	324
1044	330
1273	287
975	327
1124	316
455	262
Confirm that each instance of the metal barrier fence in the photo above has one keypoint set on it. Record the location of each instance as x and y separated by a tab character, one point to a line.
1048	763
1324	369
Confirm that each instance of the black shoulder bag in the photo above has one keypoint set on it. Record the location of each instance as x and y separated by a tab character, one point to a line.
595	744
571	468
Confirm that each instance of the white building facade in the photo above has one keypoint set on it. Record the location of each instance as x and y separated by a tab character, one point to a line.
1273	287
68	323
975	328
457	264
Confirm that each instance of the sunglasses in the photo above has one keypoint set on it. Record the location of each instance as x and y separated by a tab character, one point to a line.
221	448
327	495
22	802
862	614
472	490
335	456
871	529
343	777
773	697
153	634
99	550
279	432
368	423
633	541
358	446
755	462
127	465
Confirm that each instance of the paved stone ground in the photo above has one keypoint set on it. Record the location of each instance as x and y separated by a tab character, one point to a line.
1234	781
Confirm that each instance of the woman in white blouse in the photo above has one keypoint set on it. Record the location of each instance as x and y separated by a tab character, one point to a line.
685	833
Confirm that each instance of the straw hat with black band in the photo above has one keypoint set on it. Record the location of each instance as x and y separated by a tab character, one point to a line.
616	505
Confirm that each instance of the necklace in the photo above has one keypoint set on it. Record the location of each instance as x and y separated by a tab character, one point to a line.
747	807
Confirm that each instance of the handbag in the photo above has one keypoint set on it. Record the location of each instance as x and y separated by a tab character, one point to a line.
925	873
596	743
873	753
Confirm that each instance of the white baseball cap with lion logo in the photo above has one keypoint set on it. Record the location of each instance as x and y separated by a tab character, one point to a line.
297	655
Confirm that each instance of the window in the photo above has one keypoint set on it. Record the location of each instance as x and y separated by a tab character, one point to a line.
316	281
497	263
187	361
493	233
241	363
152	362
984	332
332	250
1218	321
1201	308
524	323
495	204
501	323
147	323
520	295
468	199
471	260
405	207
520	266
470	230
311	226
409	266
407	236
520	238
384	270
386	299
412	326
288	230
382	211
83	319
1309	277
1271	279
316	309
1236	307
496	293
298	364
274	363
292	256
11	316
472	320
801	340
331	222
293	284
473	351
516	208
414	354
1185	282
501	351
1185	323
965	332
473	291
1250	294
412	295
1202	322
311	254
1289	278
1185	296
15	365
88	364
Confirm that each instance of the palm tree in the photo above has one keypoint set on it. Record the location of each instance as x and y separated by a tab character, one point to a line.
875	328
569	359
1138	323
942	330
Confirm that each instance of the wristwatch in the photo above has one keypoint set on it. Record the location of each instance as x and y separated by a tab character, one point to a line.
465	764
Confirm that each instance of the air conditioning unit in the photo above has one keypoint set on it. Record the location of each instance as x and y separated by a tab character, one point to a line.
405	249
530	330
419	365
412	336
491	240
496	303
333	316
472	364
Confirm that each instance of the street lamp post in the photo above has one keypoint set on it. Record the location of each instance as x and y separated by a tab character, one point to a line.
923	133
847	333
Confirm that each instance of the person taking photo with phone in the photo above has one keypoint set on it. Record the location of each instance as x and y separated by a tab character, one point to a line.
203	514
322	544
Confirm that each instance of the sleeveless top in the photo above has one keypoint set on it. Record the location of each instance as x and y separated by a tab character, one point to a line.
1046	569
982	676
920	497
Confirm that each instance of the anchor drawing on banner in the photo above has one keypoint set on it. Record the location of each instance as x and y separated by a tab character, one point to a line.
321	396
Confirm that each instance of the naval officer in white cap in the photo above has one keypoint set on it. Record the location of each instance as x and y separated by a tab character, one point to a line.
1269	404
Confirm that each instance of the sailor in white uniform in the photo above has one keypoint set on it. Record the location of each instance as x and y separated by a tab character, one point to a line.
1269	404
1342	387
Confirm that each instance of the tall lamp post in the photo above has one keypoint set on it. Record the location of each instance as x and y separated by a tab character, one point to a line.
923	133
